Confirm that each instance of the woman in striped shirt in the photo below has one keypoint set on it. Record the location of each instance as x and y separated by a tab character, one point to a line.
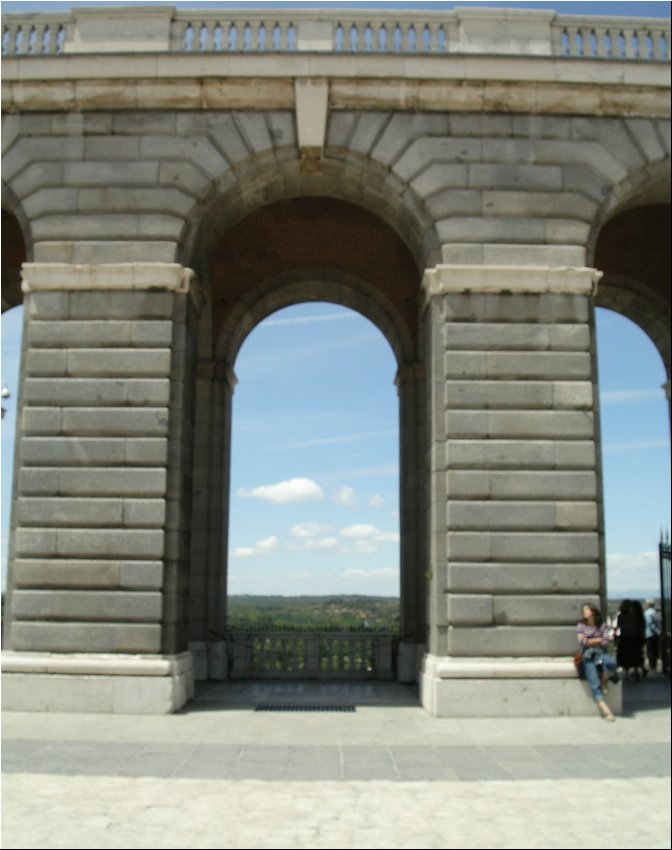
598	665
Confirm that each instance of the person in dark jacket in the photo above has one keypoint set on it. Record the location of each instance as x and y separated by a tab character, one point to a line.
630	636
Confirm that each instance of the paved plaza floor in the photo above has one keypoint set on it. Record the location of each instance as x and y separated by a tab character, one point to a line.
337	765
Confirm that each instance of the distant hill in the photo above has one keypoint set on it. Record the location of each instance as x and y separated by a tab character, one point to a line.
336	612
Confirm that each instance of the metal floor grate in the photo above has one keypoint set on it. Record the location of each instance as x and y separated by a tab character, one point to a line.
276	707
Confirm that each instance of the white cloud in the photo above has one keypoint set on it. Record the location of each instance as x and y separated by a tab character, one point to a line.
360	531
320	543
383	572
633	575
345	496
635	446
261	547
294	490
309	320
376	501
612	397
367	539
308	529
383	580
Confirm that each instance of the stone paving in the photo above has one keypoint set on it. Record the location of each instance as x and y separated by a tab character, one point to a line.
221	774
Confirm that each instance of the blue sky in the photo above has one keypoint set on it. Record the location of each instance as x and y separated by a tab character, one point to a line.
314	489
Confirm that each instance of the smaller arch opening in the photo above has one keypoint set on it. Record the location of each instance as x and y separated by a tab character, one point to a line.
314	516
635	455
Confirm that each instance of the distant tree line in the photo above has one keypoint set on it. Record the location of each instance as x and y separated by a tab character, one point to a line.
336	613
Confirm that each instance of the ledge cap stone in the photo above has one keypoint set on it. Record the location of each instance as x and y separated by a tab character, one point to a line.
509	279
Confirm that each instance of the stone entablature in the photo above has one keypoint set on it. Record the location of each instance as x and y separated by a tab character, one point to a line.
511	32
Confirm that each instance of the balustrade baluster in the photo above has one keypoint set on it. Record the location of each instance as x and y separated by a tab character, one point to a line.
661	46
354	36
632	45
17	41
203	38
269	652
40	40
560	39
338	37
412	40
427	38
292	654
232	37
602	42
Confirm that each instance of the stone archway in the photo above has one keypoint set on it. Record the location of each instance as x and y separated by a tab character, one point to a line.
14	253
288	252
633	251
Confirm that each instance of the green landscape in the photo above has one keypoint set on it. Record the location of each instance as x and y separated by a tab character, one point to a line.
337	613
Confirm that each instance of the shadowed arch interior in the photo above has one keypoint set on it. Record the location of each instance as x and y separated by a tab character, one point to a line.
633	251
13	255
313	236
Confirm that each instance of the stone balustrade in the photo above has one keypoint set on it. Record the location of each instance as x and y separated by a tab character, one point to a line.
311	655
516	32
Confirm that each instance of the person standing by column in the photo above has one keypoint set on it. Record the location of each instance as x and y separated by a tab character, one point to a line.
651	634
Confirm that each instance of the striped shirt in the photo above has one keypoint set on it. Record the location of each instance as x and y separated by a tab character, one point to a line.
584	632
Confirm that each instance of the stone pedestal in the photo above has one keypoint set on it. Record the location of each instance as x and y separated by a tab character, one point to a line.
509	687
92	682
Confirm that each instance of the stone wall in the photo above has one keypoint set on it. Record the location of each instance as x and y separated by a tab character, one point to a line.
101	512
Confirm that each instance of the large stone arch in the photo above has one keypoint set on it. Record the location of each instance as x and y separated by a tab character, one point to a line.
291	251
633	252
16	248
279	175
630	245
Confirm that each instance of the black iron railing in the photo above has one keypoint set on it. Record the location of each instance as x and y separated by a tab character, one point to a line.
665	600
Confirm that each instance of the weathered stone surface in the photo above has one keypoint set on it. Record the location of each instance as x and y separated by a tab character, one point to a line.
495	576
78	573
91	605
85	637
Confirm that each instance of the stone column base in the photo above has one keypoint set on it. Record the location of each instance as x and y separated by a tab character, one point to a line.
106	684
211	660
409	661
508	687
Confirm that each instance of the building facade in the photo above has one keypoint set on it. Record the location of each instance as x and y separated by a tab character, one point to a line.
473	182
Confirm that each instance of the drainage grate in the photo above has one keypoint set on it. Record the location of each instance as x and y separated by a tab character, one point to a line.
275	707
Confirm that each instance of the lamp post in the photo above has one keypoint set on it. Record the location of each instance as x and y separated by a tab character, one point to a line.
5	393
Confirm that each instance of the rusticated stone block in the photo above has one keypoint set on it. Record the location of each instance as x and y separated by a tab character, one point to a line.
85	637
91	605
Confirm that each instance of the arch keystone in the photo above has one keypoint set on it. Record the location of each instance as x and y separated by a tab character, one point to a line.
311	98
